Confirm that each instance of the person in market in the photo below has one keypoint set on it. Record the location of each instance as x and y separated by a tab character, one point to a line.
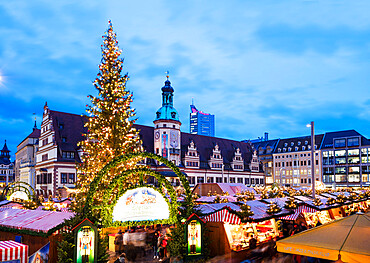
155	244
118	242
302	227
252	242
162	247
125	240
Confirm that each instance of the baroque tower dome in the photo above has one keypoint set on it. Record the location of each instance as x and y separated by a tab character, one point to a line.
167	111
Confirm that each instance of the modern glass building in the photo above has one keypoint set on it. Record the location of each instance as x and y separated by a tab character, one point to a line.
201	123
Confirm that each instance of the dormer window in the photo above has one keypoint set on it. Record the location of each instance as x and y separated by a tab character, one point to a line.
305	142
64	139
303	148
289	149
158	114
279	150
173	114
292	143
299	143
285	144
284	149
296	148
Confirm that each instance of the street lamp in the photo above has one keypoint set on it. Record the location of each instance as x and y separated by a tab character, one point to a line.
312	157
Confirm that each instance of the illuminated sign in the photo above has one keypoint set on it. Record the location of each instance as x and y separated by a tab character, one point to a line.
18	195
86	242
164	144
85	245
194	238
140	204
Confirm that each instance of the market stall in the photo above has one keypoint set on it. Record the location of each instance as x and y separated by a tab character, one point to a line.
346	238
230	233
11	250
36	228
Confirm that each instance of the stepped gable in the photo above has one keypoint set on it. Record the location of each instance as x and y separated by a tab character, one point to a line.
71	127
206	144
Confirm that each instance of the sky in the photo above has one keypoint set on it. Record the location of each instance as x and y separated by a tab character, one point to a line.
258	66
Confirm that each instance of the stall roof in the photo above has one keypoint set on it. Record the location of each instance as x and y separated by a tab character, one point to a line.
212	208
259	209
211	199
279	200
309	201
34	220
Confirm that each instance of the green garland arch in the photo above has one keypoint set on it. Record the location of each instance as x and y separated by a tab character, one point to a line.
19	185
107	206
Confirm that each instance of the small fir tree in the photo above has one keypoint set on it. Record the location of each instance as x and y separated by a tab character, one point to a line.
110	131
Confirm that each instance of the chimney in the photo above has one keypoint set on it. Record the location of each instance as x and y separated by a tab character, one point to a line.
266	136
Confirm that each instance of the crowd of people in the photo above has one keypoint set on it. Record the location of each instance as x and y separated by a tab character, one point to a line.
138	242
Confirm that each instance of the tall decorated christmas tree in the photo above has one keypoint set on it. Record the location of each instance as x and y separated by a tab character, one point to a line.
110	131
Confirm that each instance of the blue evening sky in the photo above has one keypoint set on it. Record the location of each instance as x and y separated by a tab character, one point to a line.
259	66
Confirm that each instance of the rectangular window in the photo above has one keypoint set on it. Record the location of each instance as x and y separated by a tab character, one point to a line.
340	160
218	179
209	179
340	178
353	142
44	178
71	178
49	178
353	178
246	181
252	180
200	180
257	181
44	157
232	180
354	152
63	178
353	159
240	180
339	143
261	181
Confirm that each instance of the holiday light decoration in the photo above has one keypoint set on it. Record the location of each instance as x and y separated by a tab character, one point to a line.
317	202
246	213
330	201
273	208
110	131
341	199
291	203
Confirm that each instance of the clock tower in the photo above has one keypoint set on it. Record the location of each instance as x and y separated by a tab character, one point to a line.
167	134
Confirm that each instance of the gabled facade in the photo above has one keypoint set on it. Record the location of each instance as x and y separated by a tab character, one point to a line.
25	158
265	150
58	152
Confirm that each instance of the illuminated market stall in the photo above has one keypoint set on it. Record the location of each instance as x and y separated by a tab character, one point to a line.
231	233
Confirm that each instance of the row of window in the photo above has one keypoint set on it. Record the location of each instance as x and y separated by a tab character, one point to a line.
297	148
342	178
247	181
338	143
192	164
44	178
217	165
67	178
68	155
294	163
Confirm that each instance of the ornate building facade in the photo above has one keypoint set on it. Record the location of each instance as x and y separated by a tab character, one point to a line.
6	167
25	158
200	158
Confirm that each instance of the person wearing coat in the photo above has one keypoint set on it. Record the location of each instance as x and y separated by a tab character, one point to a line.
118	242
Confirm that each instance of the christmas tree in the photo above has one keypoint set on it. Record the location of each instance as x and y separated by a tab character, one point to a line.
110	131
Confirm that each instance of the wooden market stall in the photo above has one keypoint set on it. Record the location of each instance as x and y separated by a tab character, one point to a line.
34	228
229	233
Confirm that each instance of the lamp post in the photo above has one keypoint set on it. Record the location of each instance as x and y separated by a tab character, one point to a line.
312	157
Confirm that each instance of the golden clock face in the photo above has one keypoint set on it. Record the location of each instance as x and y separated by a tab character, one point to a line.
156	135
